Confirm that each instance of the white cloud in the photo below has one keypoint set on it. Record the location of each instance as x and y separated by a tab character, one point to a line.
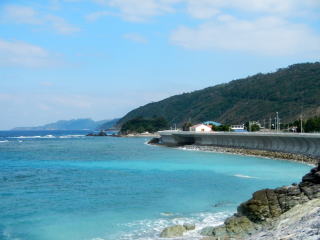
60	25
27	15
208	8
133	10
135	37
140	10
96	15
14	53
202	9
21	14
268	36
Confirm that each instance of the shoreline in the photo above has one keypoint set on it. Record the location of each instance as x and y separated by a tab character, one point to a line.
151	135
293	157
252	153
268	210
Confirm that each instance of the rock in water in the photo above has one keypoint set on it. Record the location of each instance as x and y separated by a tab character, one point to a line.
173	231
155	140
189	226
207	231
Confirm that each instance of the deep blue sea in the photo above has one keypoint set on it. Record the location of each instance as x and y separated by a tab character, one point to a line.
58	185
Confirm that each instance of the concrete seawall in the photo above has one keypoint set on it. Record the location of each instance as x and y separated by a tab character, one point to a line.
304	144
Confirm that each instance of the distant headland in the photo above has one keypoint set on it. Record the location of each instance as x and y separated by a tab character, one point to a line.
73	124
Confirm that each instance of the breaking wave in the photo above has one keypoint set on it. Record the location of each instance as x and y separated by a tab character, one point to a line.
243	176
49	136
151	229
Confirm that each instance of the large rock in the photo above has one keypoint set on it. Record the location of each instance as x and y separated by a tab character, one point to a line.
233	227
300	222
173	231
207	231
154	141
189	226
238	226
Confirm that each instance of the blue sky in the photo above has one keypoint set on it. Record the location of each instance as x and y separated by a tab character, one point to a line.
64	59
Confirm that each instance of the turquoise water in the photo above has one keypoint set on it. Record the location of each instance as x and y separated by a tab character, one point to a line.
63	186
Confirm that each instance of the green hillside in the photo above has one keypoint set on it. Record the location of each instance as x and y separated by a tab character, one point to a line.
289	91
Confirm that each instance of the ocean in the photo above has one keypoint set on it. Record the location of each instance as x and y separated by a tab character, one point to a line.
61	185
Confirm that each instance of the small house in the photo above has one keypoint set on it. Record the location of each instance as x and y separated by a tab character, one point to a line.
238	128
200	128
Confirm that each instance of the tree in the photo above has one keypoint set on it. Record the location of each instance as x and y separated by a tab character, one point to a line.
186	126
312	125
221	128
139	125
252	127
255	128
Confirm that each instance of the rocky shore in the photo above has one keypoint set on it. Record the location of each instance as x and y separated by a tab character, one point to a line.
242	151
285	213
153	135
251	152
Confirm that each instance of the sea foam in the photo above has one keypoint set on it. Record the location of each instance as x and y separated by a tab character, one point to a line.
243	176
151	229
49	136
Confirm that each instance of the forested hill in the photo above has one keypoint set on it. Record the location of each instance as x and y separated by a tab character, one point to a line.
288	91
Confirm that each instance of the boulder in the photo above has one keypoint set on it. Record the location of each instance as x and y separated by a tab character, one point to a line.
236	226
100	134
173	231
207	231
155	141
257	208
189	226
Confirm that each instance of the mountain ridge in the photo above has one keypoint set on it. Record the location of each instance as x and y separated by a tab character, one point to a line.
73	124
290	91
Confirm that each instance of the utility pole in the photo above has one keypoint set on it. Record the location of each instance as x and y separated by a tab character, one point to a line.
270	122
301	125
277	122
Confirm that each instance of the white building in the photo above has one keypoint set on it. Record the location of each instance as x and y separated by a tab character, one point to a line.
200	128
238	128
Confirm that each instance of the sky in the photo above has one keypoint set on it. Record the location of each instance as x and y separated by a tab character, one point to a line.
99	59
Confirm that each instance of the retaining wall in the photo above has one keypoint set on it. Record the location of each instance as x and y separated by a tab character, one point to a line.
306	144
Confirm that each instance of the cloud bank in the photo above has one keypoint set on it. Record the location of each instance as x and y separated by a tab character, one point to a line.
16	53
27	15
266	36
264	27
